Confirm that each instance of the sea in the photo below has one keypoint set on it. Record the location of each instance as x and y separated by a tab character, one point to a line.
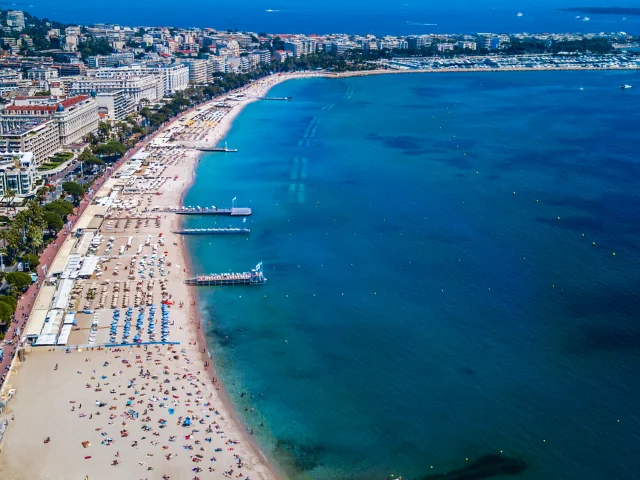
453	265
361	17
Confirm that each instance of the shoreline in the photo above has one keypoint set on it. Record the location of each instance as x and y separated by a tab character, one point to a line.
206	354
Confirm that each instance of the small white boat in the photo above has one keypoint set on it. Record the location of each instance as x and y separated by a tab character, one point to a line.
625	86
519	14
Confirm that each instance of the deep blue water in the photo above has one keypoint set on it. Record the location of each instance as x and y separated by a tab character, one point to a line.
417	311
356	16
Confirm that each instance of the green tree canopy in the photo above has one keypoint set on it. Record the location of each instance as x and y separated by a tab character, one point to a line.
74	189
6	313
61	207
18	280
32	260
54	221
11	301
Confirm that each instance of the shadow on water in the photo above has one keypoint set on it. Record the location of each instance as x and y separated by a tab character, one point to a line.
485	467
302	458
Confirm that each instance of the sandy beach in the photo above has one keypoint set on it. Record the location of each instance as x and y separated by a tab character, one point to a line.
86	410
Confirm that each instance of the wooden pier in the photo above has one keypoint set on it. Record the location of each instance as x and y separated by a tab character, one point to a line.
254	277
234	212
277	98
213	231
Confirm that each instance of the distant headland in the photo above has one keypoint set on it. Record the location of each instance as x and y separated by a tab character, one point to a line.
604	10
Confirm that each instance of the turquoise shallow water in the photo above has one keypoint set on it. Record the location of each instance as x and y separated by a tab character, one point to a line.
417	311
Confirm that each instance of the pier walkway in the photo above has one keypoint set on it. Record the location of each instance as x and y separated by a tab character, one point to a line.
254	277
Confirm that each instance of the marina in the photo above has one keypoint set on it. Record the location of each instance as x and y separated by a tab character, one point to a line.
254	277
213	231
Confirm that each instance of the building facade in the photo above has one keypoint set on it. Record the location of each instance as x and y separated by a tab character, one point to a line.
197	70
40	138
74	117
138	88
115	105
18	173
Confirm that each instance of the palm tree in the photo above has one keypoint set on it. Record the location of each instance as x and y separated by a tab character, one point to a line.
10	193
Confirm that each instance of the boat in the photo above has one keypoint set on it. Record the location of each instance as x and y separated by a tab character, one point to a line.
586	19
519	14
625	86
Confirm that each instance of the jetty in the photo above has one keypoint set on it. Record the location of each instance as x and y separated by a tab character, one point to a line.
254	277
213	231
224	149
277	98
233	211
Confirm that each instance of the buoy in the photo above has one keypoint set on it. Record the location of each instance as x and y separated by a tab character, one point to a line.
514	193
537	201
614	254
476	173
558	218
583	234
593	243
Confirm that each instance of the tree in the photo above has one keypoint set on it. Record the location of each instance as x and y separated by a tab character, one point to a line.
6	313
19	280
32	260
60	207
105	129
12	302
74	189
54	221
112	147
9	194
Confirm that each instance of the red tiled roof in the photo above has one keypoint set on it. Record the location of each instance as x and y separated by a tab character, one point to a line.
68	102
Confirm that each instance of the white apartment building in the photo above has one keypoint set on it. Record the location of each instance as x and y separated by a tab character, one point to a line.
42	74
18	173
40	138
74	117
76	120
218	64
301	46
174	77
138	88
197	70
116	105
15	19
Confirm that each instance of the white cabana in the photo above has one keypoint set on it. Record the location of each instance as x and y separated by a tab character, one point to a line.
89	266
51	328
63	338
61	297
34	327
69	318
46	339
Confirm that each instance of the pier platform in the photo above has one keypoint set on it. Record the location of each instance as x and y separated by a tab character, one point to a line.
254	277
218	149
234	212
213	231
